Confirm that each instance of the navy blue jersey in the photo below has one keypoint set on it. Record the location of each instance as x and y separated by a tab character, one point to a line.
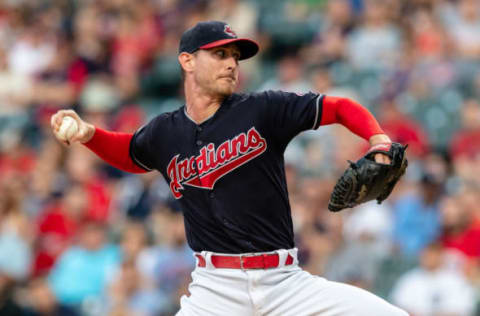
228	172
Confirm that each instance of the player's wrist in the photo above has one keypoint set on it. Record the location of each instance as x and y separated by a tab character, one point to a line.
379	139
90	130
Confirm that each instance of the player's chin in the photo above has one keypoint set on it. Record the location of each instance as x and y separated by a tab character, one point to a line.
226	89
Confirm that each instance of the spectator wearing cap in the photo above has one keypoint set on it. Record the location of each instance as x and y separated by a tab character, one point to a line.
417	219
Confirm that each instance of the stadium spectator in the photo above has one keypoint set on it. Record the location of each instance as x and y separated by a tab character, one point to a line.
8	305
375	43
42	302
417	220
431	289
289	76
170	259
465	30
404	129
15	232
129	294
57	227
461	230
82	272
466	142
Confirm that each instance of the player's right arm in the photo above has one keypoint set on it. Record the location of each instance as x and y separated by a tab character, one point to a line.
112	147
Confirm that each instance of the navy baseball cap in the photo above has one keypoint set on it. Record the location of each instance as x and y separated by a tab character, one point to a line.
211	34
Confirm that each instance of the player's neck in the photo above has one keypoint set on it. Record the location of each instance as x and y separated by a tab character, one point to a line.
199	105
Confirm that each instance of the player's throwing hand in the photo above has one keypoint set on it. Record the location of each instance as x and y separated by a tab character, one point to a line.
77	131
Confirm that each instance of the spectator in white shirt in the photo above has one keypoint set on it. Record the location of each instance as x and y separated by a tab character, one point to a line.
433	290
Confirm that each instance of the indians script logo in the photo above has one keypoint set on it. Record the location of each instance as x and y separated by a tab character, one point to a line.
213	163
227	29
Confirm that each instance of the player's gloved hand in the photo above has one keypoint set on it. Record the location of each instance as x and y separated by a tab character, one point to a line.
84	130
367	179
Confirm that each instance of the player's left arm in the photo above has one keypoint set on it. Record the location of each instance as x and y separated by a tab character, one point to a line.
357	119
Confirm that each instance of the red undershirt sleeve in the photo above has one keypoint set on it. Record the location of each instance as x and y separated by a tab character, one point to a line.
350	114
114	149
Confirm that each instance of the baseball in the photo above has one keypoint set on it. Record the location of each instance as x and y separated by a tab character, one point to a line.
68	128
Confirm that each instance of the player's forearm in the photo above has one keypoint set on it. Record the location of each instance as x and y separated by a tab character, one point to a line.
352	115
114	149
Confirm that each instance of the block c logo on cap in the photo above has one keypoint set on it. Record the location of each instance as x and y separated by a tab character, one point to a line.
227	29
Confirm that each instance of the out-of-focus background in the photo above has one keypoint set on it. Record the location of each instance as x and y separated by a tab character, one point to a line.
78	237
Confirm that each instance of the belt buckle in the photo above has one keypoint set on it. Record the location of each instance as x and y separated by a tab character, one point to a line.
262	255
246	255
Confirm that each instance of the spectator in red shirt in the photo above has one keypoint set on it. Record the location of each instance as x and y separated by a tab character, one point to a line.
466	142
81	168
460	230
57	227
403	129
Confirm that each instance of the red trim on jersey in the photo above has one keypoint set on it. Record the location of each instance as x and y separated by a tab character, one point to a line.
350	114
114	149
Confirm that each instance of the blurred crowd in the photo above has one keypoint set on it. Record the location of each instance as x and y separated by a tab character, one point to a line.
78	237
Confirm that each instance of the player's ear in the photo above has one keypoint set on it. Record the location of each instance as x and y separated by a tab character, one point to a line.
187	61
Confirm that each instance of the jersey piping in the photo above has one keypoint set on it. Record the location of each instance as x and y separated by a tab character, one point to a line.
318	116
191	119
132	154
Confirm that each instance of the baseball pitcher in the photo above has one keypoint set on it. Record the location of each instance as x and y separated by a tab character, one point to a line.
222	155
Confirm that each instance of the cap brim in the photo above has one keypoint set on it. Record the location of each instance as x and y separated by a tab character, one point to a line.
247	47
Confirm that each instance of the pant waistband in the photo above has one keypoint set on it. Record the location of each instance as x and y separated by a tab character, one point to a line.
248	261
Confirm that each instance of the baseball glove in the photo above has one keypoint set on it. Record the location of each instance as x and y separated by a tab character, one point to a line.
366	179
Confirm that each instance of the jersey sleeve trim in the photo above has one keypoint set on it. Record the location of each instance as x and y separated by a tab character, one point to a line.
132	154
318	114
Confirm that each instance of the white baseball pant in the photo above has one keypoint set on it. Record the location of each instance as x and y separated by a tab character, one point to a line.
283	291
